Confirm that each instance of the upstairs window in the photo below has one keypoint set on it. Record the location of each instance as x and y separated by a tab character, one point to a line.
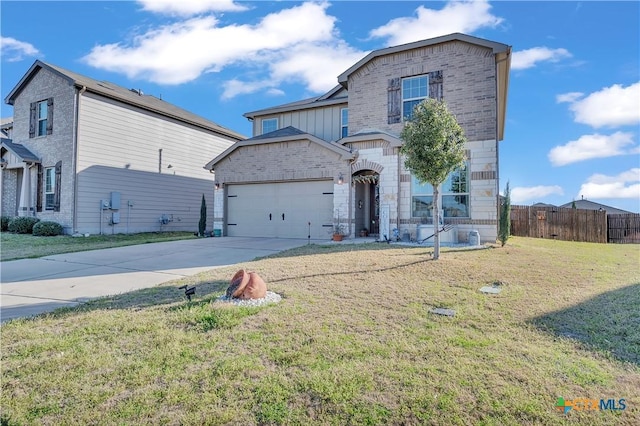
41	118
414	91
269	125
344	122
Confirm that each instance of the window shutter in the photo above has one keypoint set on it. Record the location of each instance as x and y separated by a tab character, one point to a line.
393	101
435	85
56	196
33	120
40	188
49	116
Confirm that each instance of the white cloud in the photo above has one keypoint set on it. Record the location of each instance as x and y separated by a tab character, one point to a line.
612	106
15	50
520	194
524	59
569	97
624	185
592	146
290	44
455	16
190	7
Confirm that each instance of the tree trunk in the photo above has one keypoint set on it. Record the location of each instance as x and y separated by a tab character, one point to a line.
436	224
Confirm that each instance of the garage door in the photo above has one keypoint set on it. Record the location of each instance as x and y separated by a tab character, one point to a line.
281	210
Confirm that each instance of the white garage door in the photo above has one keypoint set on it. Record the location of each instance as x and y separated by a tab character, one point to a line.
282	210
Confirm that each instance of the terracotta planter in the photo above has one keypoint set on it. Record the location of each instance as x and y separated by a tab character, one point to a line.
256	287
247	285
238	283
337	237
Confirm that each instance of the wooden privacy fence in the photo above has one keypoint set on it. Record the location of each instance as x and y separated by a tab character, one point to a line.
624	228
559	223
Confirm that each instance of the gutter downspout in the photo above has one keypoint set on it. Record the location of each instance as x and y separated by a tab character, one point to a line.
76	132
398	197
498	62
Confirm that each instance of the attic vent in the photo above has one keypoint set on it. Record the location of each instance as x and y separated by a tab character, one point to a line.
137	91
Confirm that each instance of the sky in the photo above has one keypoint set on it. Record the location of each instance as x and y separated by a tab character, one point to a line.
573	110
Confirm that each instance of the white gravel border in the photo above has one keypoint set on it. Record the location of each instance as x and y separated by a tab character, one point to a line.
270	297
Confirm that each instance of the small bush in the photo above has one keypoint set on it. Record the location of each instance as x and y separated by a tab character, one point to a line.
47	229
22	225
4	222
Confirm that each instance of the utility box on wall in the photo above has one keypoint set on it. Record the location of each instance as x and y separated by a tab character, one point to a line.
115	200
115	218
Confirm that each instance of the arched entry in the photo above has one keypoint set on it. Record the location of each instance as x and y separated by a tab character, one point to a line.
367	201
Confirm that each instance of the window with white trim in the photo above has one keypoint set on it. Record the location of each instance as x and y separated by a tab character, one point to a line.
344	122
269	125
414	91
454	191
49	188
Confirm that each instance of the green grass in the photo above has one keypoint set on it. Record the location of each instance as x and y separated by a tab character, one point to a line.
21	246
352	342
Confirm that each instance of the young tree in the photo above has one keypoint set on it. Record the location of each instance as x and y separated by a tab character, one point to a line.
202	225
433	148
505	217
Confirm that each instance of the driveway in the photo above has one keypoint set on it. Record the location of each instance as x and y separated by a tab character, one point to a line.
33	286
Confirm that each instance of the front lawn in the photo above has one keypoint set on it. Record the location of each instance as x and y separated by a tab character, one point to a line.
22	246
352	342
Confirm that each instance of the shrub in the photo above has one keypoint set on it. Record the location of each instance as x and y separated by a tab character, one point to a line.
22	225
47	229
4	222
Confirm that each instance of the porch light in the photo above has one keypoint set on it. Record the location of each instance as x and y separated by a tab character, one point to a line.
216	185
340	179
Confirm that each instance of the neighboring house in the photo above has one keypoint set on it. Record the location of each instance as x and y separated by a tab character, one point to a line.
335	158
542	205
6	126
591	205
99	158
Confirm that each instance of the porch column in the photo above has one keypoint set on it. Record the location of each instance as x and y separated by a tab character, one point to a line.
26	207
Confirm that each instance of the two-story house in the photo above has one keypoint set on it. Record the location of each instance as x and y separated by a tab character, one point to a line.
99	158
335	158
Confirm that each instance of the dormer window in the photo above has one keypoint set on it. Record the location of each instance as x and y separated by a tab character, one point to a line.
269	125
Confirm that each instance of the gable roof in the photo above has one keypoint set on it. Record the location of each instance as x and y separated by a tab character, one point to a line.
285	134
496	47
591	205
501	52
131	97
335	96
19	151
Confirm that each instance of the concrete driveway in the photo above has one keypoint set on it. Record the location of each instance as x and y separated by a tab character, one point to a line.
33	286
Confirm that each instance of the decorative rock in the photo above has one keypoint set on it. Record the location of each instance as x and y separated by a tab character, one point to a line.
443	311
246	285
491	290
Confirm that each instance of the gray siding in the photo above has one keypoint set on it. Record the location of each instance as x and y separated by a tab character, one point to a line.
118	135
323	123
119	151
151	195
